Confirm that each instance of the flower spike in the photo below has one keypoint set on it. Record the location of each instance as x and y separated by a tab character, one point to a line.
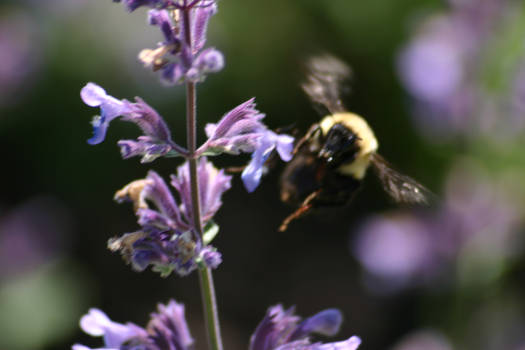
282	330
167	329
156	141
241	130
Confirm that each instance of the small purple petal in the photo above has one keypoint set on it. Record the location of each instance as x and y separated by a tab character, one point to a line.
326	322
167	329
158	192
351	344
170	328
132	5
173	73
148	120
209	61
280	330
211	257
212	184
100	126
161	18
149	217
252	174
93	95
96	323
202	15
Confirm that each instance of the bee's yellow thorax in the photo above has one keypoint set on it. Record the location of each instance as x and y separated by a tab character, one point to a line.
367	142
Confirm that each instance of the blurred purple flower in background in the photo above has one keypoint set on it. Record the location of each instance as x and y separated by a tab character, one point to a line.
477	223
281	329
444	67
57	7
20	55
32	235
424	340
167	329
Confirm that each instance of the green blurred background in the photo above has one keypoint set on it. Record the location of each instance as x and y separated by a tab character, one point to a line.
51	173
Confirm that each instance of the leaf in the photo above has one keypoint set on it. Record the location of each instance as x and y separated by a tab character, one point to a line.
210	231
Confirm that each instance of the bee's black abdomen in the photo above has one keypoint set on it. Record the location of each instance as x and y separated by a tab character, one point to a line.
299	178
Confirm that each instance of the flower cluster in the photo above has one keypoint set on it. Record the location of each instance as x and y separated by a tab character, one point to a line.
445	68
241	130
167	329
282	330
156	140
181	56
166	239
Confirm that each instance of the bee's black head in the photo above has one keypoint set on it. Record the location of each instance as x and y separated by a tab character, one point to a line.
339	146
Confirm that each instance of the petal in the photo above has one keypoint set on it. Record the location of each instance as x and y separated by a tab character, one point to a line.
83	347
202	16
326	322
100	126
285	146
252	174
169	324
95	322
93	95
351	344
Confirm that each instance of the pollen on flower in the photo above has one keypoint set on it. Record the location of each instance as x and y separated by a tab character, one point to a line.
186	246
133	192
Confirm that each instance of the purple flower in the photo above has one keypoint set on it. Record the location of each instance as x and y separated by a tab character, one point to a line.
281	329
444	67
251	176
178	59
241	130
478	221
157	140
132	5
166	239
167	329
212	184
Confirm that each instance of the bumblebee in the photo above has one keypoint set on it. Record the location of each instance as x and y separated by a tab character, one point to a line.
330	162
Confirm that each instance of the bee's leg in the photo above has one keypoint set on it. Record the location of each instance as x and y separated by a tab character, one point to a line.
305	207
235	169
313	129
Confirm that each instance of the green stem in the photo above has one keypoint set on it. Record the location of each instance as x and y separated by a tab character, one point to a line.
206	280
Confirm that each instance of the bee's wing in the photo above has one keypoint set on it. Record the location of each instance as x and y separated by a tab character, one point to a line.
401	188
325	83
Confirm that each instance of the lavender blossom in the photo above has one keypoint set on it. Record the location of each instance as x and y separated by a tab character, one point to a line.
167	329
166	239
478	218
281	329
212	184
444	68
178	59
132	5
157	140
424	339
241	130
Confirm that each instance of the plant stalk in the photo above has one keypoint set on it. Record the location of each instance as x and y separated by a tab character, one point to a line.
205	274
